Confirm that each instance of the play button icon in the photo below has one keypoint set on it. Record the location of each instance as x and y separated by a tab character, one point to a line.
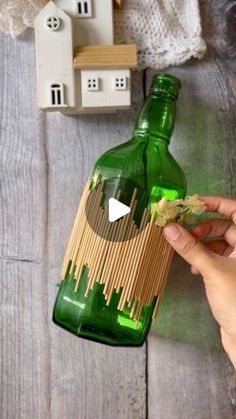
115	207
116	210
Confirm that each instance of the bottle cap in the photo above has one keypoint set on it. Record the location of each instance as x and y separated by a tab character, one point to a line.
165	83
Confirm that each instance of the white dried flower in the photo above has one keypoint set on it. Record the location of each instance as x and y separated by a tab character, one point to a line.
178	210
166	211
195	205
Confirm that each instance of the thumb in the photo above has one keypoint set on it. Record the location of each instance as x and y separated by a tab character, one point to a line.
192	250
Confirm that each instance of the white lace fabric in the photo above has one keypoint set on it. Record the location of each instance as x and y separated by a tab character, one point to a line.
167	32
17	15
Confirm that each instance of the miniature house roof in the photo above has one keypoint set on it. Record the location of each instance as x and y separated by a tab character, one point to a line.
105	56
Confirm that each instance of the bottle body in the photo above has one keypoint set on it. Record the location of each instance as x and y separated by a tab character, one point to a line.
144	160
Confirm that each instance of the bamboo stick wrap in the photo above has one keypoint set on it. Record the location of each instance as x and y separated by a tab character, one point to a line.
137	266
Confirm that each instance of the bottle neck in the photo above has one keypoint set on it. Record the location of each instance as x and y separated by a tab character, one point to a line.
157	118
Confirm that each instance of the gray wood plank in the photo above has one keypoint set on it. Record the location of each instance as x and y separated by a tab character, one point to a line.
188	372
87	379
44	162
24	347
188	382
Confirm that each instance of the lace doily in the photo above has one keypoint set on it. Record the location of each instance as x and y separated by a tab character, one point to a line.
167	32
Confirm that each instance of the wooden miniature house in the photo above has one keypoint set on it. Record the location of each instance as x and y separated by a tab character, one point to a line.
79	69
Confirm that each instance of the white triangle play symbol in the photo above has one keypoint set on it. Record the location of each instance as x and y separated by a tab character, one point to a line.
116	210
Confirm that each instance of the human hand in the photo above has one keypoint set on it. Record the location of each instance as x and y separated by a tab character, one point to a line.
215	261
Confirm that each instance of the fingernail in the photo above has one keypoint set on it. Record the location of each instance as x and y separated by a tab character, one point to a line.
171	232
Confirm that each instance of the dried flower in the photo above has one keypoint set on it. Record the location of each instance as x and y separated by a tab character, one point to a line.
178	210
195	205
166	211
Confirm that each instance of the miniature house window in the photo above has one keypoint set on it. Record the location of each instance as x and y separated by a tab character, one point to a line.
57	94
93	84
84	8
120	83
53	23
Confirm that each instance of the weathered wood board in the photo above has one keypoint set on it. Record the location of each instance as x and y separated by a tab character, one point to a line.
45	162
24	342
45	159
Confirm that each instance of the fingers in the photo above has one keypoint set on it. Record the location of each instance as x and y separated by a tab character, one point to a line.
220	247
192	250
212	227
221	205
194	271
216	227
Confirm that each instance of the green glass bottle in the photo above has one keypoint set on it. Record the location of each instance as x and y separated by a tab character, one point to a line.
146	162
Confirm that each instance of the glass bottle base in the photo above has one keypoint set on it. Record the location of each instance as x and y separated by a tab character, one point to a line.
90	317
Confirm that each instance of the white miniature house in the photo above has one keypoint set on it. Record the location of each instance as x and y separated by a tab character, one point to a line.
79	69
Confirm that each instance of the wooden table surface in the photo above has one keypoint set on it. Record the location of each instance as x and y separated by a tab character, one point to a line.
182	371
